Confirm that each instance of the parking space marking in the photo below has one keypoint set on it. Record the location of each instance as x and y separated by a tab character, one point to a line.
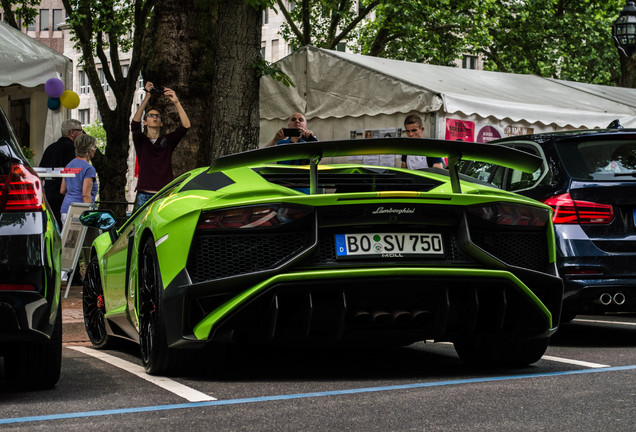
261	399
189	394
574	362
604	322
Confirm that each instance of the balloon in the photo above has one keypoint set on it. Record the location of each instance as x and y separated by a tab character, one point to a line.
69	99
54	87
53	103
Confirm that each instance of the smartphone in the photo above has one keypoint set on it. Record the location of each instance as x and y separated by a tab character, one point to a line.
291	132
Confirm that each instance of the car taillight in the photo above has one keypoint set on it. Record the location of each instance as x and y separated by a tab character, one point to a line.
251	217
502	213
17	287
569	211
20	190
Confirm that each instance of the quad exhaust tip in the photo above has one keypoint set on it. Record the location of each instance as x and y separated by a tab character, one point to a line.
619	298
607	299
397	317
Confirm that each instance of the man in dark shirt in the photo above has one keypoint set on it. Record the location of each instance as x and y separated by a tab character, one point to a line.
58	155
154	151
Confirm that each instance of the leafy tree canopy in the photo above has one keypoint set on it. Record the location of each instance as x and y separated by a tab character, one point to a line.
565	39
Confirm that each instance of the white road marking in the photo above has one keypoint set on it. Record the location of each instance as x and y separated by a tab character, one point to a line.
605	322
574	362
180	390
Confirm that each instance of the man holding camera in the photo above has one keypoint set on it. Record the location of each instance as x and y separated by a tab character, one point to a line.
296	131
154	151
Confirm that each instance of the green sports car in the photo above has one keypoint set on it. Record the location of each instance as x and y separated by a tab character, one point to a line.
249	251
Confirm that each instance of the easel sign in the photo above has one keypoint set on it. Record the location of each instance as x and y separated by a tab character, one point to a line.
73	235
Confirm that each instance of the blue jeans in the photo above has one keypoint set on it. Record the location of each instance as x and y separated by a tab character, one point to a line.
142	197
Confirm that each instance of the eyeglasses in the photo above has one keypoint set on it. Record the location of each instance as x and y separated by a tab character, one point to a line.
79	130
154	115
300	119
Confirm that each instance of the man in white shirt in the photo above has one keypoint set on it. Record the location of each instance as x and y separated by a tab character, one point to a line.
415	129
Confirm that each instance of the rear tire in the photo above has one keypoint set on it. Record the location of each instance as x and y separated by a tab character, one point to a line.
36	365
492	352
94	308
157	358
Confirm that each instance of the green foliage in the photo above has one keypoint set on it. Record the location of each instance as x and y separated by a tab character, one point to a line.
96	130
23	11
109	21
324	23
423	31
260	4
28	153
554	38
263	67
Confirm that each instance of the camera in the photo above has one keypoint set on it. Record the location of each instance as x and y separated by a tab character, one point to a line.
291	132
157	90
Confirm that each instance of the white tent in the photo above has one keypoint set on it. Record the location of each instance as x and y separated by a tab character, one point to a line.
341	93
25	66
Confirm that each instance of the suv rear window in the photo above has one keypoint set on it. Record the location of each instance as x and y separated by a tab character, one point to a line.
599	160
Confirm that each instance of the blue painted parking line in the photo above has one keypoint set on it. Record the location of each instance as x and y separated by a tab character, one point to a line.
304	395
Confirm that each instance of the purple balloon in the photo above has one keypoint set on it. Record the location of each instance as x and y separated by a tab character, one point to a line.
54	87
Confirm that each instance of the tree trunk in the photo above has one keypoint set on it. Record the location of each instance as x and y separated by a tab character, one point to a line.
112	166
204	51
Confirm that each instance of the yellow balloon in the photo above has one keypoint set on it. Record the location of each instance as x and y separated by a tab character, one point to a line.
69	99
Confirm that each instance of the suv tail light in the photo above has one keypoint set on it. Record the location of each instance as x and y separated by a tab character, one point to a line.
20	190
569	211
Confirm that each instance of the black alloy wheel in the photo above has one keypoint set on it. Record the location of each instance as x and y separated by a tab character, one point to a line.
157	358
94	307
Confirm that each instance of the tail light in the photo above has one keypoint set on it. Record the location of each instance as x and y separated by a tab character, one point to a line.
20	190
569	211
17	287
251	217
512	214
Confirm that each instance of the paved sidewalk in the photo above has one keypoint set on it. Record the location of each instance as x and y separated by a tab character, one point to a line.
73	330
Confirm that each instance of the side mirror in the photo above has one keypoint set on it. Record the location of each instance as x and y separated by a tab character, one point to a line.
102	219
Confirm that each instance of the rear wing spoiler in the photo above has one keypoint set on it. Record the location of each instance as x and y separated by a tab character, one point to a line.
315	151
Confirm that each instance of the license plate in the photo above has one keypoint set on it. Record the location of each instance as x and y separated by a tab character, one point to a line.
389	245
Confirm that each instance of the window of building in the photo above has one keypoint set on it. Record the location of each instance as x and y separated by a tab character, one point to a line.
140	82
275	54
102	79
44	19
263	44
124	70
58	19
84	116
292	5
469	62
31	27
341	46
265	17
84	86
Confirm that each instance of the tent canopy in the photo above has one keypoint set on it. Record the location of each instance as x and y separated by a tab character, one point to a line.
333	84
25	66
27	62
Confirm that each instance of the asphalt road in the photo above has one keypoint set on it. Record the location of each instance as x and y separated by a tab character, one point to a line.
586	382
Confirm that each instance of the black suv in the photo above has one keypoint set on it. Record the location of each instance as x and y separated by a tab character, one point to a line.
30	261
589	179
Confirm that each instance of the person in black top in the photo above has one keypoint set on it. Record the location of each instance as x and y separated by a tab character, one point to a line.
58	155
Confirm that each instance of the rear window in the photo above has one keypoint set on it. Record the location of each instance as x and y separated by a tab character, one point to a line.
599	160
